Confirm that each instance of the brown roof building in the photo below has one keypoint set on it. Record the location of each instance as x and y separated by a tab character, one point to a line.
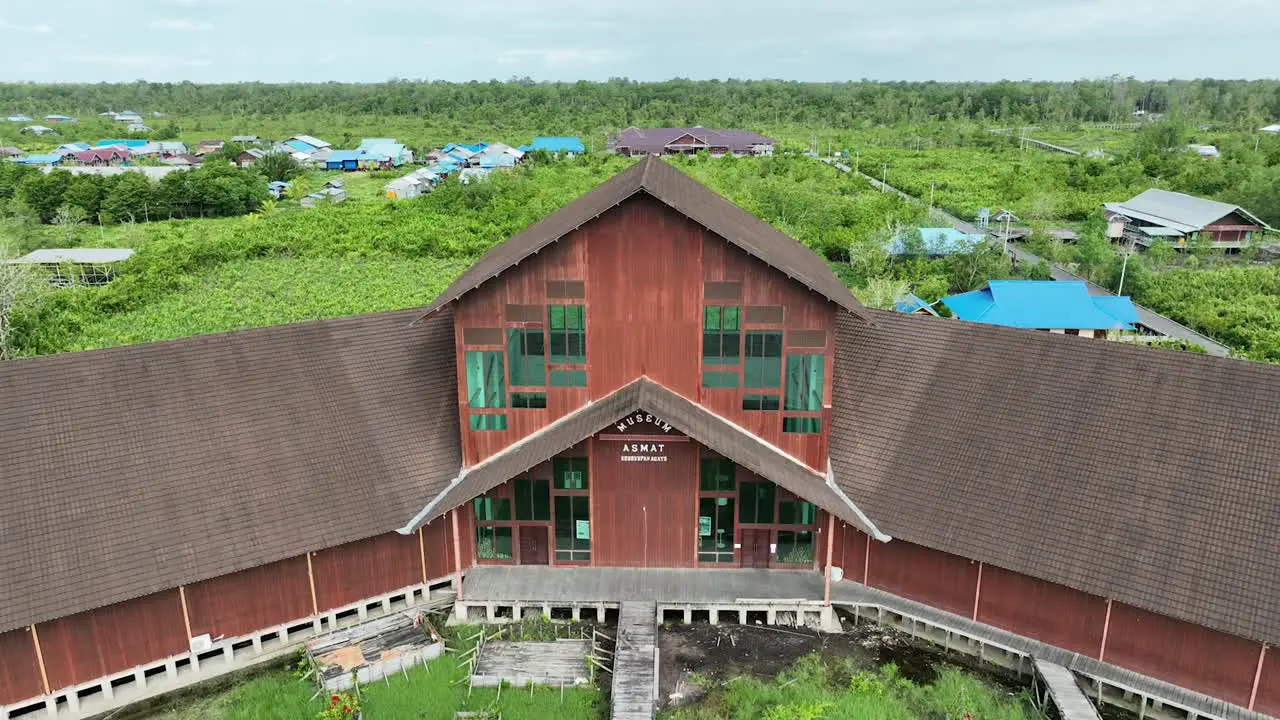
686	141
648	347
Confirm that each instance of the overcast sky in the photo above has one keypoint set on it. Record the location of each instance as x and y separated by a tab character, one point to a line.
373	40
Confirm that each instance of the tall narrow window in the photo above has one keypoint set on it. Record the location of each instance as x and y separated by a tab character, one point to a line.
486	389
757	500
715	529
721	334
570	473
573	527
533	499
717	475
568	329
527	356
762	370
804	392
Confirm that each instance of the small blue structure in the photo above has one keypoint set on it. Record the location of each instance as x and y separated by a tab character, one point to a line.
46	159
938	242
555	145
121	143
1043	305
475	148
18	118
68	148
277	188
912	304
501	160
343	160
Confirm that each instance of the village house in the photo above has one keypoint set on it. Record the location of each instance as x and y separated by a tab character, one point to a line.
911	304
101	156
246	139
649	404
69	148
37	130
935	242
1061	307
249	156
567	146
183	160
16	118
1179	218
207	147
305	143
10	152
76	266
58	119
44	159
277	189
686	141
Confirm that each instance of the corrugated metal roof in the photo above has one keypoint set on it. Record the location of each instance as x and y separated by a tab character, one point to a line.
1042	304
684	195
940	241
314	142
1137	474
89	256
911	303
340	156
45	159
1184	212
556	144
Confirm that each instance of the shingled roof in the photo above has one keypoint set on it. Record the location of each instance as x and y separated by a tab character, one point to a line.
133	470
1142	475
704	426
684	195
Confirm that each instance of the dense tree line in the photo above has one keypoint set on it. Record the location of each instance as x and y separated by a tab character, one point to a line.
621	102
216	190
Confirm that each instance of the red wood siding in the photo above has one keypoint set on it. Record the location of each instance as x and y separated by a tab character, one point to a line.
19	669
1268	700
1181	653
849	550
643	514
91	644
803	310
643	267
437	543
240	603
1049	613
365	568
936	578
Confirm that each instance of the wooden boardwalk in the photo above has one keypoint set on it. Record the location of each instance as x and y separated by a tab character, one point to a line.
635	664
1065	693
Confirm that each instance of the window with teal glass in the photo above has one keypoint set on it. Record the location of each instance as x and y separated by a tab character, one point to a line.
491	509
809	425
528	400
487	422
762	363
715	530
533	499
795	547
493	543
719	379
717	475
721	334
759	402
804	382
527	357
485	386
569	473
567	326
797	512
568	378
573	527
756	502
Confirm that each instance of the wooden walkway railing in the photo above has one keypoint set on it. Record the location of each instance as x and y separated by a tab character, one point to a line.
635	664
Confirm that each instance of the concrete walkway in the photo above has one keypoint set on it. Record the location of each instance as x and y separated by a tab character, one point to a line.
635	663
1065	693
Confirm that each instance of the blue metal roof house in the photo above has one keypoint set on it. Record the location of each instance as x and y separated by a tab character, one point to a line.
1062	307
343	160
938	242
555	145
46	159
121	143
912	304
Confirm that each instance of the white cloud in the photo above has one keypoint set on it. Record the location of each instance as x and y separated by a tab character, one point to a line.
179	25
40	29
557	57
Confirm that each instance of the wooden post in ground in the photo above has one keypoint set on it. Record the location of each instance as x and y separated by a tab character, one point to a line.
44	676
831	533
457	556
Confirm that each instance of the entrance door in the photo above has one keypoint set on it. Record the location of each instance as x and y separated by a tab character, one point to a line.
534	546
755	548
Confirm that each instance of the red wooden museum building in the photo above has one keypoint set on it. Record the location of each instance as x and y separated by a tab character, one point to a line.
648	378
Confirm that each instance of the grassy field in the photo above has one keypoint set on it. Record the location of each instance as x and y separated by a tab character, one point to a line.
814	690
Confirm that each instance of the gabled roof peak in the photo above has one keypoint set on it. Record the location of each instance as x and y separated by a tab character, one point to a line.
682	194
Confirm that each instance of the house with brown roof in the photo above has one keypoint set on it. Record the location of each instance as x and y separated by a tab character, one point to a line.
106	156
648	396
688	141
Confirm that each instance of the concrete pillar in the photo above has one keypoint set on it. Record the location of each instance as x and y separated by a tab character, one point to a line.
490	610
742	617
283	634
50	708
228	653
257	644
362	611
73	702
195	662
600	613
171	668
315	625
139	678
108	692
714	616
771	617
386	606
577	613
546	610
688	614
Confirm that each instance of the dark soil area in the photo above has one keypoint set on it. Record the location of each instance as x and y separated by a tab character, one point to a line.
722	651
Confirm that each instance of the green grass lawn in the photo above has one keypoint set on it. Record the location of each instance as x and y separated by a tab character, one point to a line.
816	690
427	692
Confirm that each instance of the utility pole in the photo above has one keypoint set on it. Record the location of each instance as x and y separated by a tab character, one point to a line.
857	160
884	179
932	185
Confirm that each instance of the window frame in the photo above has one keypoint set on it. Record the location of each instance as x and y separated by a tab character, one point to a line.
720	361
578	361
